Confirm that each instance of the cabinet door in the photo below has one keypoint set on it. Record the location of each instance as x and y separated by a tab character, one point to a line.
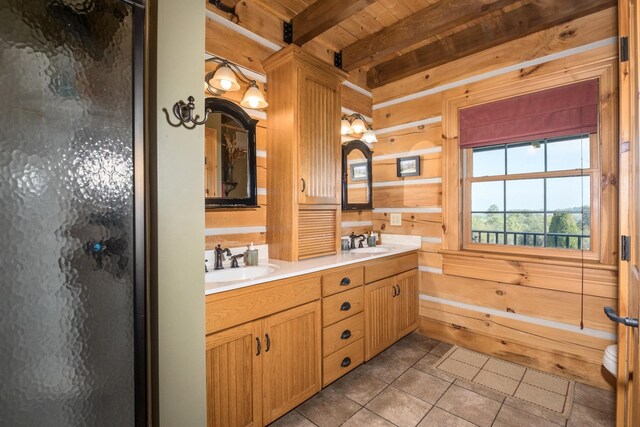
379	327
406	303
319	149
234	376
292	359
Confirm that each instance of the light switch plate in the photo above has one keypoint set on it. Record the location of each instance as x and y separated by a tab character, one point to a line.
396	219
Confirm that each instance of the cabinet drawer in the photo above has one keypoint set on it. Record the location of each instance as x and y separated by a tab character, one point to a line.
343	333
340	306
342	361
232	308
390	267
342	280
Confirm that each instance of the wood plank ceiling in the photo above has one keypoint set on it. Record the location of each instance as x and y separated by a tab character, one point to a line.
387	40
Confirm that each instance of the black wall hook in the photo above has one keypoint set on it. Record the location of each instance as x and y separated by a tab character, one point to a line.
184	113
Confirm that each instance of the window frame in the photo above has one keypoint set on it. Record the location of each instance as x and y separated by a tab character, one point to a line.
593	172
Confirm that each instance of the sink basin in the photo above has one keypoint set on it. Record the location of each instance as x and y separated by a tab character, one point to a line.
239	274
376	250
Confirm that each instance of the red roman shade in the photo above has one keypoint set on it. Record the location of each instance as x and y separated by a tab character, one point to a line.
562	111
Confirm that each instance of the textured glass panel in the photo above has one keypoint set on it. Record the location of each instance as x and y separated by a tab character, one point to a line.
66	183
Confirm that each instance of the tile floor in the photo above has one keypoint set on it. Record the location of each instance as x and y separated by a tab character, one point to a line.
400	387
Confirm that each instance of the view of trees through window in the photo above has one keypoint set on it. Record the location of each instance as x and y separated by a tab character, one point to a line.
532	194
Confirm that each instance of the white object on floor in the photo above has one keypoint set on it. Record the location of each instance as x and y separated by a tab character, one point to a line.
610	359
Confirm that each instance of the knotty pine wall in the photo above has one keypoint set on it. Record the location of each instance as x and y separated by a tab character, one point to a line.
525	310
239	227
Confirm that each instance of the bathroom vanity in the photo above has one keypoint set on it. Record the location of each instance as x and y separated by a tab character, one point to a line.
275	341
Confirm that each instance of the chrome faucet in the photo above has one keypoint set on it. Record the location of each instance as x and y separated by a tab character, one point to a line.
220	257
353	236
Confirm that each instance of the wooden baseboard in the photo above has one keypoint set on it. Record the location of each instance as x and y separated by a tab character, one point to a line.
579	370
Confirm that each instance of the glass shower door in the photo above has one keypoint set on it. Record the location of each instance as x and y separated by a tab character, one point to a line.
71	225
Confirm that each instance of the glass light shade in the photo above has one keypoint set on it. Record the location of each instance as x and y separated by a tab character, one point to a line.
358	126
345	127
253	98
225	79
369	136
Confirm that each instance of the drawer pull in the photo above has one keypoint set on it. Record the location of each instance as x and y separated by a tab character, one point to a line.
398	289
346	306
346	335
258	346
395	291
345	362
345	281
268	343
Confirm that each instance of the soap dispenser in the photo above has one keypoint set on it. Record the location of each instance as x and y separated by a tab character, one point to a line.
251	256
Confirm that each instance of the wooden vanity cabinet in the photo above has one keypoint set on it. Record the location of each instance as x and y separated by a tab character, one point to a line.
391	310
304	161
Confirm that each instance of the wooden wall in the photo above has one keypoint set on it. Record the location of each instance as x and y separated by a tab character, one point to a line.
524	309
247	45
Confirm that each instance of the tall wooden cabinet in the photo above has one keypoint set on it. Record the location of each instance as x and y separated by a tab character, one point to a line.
304	150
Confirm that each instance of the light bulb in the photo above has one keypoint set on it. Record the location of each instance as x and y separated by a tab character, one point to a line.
358	126
225	84
345	127
369	136
253	98
253	102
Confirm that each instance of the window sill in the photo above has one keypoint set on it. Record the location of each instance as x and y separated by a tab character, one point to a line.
591	260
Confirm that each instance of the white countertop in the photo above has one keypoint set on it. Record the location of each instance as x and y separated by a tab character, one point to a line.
284	269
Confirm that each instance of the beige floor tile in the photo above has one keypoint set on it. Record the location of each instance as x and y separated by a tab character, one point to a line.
506	369
384	368
513	417
328	408
426	365
441	349
364	417
596	398
469	405
404	352
399	407
459	369
583	416
480	389
421	342
439	418
358	386
546	381
541	397
496	382
292	419
421	385
469	357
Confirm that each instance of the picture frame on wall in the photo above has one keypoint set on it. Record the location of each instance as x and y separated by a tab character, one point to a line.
359	171
408	166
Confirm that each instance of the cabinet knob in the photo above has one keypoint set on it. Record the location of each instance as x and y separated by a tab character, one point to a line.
346	335
345	281
345	362
346	306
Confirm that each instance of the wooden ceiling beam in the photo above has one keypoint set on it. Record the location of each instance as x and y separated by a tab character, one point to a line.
530	18
426	23
323	15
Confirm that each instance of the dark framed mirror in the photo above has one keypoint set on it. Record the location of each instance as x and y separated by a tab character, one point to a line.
356	176
229	156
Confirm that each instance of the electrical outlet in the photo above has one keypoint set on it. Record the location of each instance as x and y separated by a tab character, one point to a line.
396	219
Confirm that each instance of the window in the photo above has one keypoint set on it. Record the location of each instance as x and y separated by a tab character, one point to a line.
531	194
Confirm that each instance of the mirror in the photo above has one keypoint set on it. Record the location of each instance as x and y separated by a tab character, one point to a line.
229	156
356	176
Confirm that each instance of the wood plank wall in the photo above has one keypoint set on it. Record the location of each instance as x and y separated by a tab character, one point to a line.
528	312
239	227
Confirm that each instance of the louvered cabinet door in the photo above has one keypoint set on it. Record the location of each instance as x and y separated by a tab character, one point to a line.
317	232
292	357
406	303
319	151
379	327
234	377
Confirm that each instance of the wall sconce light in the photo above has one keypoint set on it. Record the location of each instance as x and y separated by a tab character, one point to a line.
225	79
355	123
